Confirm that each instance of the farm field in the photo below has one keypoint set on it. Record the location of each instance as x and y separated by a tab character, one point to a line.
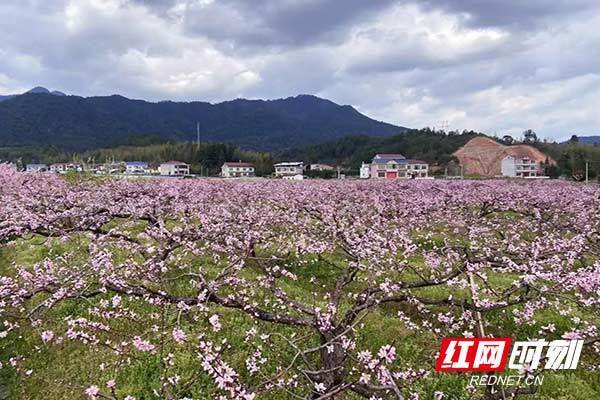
202	289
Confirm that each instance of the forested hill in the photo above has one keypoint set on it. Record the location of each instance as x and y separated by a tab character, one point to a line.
423	144
589	139
78	123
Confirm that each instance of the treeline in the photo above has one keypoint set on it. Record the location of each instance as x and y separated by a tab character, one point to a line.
205	159
572	158
434	147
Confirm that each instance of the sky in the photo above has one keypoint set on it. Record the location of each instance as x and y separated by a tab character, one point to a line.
495	66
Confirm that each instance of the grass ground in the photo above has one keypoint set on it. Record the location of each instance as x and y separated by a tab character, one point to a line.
62	371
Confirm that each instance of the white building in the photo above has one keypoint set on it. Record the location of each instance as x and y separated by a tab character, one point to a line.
237	169
66	167
515	167
417	169
321	167
365	171
394	166
293	177
289	169
174	168
36	168
137	168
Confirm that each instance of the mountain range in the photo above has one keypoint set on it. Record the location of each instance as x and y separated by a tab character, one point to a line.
589	139
37	89
40	117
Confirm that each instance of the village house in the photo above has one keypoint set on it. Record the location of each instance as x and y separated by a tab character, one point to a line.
62	168
95	168
394	166
174	168
289	169
237	169
36	168
137	168
484	156
388	166
116	167
417	169
293	177
520	167
321	167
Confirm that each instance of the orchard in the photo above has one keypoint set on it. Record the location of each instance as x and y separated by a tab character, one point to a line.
265	289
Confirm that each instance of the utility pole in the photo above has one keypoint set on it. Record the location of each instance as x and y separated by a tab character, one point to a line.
198	134
587	172
444	125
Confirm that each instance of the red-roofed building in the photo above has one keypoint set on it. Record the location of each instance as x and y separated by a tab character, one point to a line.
394	166
237	169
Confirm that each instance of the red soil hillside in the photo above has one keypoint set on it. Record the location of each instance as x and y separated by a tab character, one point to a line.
483	156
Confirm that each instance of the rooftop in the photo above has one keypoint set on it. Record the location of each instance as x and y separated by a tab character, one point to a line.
386	158
238	164
390	156
174	162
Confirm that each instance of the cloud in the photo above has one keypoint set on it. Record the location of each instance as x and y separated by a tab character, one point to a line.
494	66
273	23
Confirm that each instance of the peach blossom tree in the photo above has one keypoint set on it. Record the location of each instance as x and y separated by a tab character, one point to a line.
273	289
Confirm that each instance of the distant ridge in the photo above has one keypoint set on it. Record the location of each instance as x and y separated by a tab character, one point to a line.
37	89
589	139
41	117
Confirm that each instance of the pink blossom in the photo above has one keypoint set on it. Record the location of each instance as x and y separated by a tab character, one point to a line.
179	335
92	391
142	345
572	335
387	353
214	321
47	336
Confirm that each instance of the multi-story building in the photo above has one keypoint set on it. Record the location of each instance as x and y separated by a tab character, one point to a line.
394	166
388	166
515	167
174	168
237	169
321	167
137	167
66	167
287	169
417	169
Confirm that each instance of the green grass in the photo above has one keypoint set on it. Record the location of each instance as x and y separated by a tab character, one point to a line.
63	371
